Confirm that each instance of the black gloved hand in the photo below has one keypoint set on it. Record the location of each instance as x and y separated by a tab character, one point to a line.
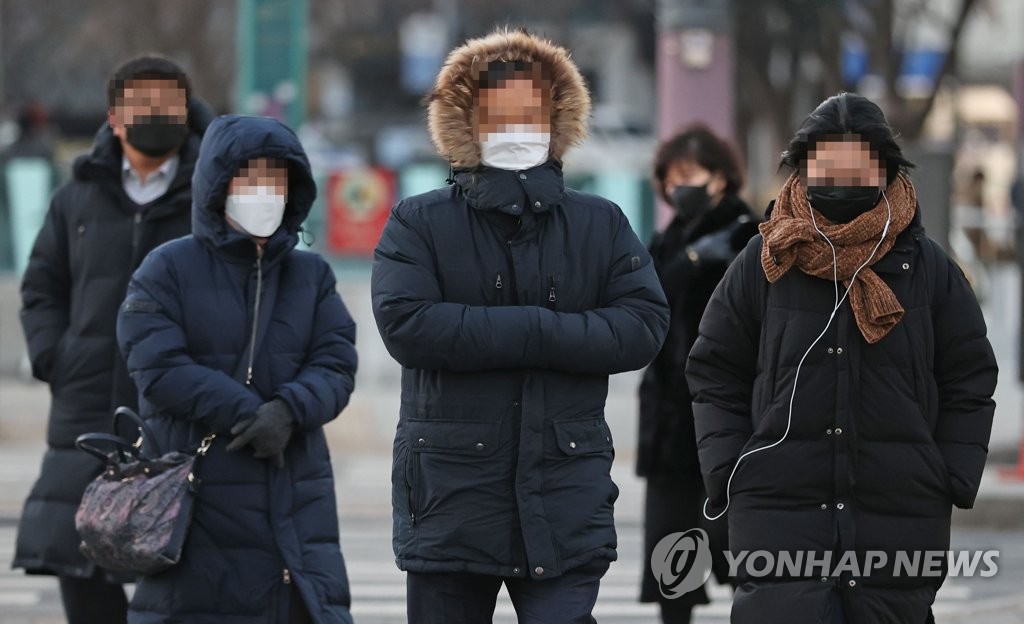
268	432
715	248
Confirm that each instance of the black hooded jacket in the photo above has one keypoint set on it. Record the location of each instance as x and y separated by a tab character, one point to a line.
91	241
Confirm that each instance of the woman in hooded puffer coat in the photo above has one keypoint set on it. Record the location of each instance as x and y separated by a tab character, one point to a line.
842	384
233	332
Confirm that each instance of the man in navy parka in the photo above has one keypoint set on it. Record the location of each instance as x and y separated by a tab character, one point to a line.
509	299
263	545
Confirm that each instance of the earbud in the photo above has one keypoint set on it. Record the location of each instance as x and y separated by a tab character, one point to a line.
796	375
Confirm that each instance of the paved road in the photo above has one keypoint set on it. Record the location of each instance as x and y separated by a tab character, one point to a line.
378	587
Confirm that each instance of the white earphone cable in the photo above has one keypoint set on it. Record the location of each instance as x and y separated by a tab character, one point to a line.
796	376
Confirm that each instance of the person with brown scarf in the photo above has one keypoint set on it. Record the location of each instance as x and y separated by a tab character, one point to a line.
791	238
842	384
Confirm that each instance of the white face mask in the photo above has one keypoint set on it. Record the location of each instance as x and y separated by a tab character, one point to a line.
516	147
258	212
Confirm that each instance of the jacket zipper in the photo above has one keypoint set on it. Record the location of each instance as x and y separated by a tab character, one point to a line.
136	235
256	320
413	482
498	283
551	292
286	576
511	262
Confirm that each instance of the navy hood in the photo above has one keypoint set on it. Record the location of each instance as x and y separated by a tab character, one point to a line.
229	142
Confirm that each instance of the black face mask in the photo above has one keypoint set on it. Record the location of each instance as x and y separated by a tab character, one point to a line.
690	201
156	135
842	204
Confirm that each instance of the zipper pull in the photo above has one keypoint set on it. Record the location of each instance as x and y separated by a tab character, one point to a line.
551	292
287	577
498	284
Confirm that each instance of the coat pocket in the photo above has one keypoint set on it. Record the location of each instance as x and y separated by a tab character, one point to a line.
583	436
455	437
449	461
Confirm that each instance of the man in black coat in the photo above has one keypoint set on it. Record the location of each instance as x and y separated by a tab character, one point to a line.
509	299
842	386
130	194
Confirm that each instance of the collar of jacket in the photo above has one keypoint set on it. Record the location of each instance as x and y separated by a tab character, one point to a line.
103	165
103	162
487	188
730	208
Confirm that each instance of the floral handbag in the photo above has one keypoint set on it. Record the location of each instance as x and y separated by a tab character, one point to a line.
134	517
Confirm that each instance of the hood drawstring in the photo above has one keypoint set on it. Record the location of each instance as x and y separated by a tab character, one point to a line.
451	174
256	313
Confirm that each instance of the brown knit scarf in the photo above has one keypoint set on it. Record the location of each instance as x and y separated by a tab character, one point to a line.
790	239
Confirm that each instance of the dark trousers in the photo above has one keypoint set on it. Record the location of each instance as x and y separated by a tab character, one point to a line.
297	611
464	598
91	600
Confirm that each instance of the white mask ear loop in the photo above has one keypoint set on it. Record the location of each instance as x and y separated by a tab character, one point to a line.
796	375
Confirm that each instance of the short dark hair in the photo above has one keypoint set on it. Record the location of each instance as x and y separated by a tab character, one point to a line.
496	73
844	114
149	66
699	144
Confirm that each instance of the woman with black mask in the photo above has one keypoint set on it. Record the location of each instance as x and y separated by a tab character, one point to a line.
842	385
698	174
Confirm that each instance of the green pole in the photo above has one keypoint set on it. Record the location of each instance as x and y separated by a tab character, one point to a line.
272	59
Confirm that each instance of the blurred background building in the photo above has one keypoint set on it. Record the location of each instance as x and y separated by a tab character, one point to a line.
350	76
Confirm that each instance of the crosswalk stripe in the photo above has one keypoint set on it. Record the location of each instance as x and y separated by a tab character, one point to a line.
19	598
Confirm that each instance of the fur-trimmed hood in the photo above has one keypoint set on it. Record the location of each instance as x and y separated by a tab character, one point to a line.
452	114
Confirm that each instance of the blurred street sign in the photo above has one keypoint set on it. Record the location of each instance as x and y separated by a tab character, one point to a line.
423	39
359	202
273	41
918	69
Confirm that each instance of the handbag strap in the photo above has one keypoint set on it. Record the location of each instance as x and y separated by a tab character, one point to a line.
125	450
146	440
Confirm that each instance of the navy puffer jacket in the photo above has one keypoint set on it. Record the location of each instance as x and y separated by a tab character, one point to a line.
184	329
509	299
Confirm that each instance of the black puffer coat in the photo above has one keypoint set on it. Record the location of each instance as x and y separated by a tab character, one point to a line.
691	257
509	299
884	439
91	241
666	445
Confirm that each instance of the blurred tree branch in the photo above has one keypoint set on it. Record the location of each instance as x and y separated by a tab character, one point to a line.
789	58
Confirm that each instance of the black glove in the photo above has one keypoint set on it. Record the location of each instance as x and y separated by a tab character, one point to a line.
268	432
714	248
